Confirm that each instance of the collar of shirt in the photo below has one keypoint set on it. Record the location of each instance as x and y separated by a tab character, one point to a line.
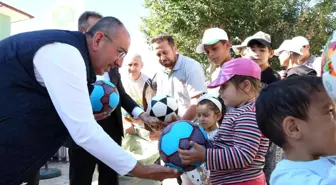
310	61
131	79
105	76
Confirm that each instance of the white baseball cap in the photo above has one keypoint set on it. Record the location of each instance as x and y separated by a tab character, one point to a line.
262	37
296	48
211	36
289	45
285	45
243	44
236	48
300	40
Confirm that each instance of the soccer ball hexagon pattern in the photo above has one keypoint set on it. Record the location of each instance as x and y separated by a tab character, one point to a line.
163	107
178	135
104	97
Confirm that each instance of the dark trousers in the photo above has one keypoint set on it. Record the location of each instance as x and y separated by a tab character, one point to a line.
82	166
34	179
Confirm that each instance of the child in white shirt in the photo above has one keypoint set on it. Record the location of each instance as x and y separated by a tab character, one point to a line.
298	116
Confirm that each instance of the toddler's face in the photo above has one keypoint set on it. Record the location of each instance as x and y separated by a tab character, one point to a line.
319	134
207	118
230	94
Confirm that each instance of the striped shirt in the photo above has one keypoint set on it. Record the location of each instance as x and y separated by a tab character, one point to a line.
237	153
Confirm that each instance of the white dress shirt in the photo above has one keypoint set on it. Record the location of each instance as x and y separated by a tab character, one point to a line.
60	68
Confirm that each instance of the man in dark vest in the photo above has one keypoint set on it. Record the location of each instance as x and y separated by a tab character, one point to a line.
82	163
46	79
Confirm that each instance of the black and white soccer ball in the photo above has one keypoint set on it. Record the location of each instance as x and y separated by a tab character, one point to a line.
163	107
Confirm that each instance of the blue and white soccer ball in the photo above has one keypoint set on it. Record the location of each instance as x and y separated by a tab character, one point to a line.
178	135
104	97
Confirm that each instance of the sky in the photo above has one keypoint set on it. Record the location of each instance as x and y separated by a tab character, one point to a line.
63	14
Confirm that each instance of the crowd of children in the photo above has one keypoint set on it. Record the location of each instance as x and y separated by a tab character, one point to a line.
267	130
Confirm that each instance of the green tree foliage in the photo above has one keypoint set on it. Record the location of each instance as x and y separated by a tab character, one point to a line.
186	21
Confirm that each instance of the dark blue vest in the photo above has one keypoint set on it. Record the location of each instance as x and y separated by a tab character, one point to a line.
31	131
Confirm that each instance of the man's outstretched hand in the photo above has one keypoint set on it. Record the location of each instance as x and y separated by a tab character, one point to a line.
154	123
154	172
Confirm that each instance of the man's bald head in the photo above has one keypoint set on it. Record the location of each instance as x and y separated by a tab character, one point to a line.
136	57
108	42
134	66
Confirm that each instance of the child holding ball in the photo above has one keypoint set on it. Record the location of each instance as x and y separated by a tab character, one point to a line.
236	154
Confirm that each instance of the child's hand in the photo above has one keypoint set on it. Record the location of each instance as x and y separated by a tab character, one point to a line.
197	154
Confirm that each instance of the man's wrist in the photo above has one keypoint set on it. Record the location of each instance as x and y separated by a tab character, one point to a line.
137	111
141	115
139	170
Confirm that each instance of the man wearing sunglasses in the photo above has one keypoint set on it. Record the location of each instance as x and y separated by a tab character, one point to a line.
46	77
82	163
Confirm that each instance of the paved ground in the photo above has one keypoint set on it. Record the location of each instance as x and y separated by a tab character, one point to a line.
64	179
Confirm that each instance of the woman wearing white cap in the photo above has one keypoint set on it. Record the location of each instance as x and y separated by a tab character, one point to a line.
289	54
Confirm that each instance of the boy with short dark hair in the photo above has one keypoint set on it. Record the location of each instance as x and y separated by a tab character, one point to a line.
301	120
260	50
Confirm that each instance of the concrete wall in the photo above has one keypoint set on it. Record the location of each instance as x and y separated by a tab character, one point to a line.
5	26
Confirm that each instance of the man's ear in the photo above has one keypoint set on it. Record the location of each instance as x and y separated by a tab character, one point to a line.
96	40
174	47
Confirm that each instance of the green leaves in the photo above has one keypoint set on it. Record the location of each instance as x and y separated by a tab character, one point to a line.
186	21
